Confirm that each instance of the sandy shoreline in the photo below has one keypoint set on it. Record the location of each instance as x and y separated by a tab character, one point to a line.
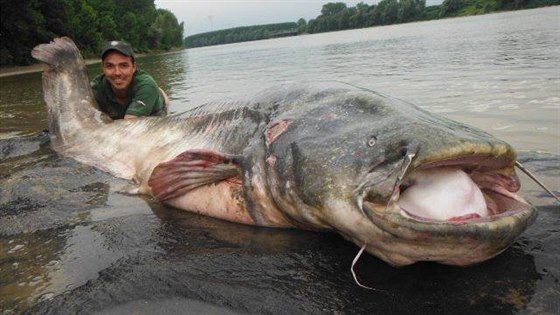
17	70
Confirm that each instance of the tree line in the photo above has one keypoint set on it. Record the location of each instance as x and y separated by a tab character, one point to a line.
240	34
90	23
337	16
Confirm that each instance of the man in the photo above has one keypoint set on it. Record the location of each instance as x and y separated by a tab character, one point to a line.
123	91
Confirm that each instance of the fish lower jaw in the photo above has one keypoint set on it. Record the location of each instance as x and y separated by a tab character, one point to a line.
464	256
472	216
466	218
406	239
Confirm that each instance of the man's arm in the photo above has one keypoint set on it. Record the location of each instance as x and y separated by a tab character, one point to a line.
130	117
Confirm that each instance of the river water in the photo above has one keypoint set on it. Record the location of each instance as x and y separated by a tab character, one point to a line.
70	243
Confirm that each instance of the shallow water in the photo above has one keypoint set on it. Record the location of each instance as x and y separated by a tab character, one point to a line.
70	243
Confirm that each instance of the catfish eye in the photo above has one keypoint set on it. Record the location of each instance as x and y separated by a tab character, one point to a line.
371	142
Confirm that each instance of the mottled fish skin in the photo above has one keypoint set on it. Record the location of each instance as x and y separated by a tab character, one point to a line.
324	156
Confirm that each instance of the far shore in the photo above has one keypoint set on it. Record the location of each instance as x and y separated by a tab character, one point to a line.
38	67
17	70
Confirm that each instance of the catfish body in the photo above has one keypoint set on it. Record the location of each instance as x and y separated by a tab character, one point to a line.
320	156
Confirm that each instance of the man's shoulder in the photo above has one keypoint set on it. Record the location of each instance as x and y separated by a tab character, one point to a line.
144	77
97	81
143	81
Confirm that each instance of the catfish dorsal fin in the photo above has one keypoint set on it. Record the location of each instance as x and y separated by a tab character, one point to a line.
190	170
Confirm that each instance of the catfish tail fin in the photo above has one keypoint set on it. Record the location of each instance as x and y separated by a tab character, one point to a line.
58	54
67	92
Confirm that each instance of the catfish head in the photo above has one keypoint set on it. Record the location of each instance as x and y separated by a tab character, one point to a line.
406	184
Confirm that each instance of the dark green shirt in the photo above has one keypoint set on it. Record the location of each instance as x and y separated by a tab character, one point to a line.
143	97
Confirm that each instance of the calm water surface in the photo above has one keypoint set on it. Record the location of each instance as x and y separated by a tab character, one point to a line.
70	244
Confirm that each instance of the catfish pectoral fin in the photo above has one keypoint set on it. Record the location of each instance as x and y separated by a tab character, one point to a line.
192	169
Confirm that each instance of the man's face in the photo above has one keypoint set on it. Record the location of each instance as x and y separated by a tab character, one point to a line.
119	70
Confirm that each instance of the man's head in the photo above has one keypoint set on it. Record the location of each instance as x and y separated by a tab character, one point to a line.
118	65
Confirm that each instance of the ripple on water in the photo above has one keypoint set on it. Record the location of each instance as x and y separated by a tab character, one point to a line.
502	127
508	106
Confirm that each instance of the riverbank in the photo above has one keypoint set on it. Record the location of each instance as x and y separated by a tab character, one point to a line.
17	70
38	67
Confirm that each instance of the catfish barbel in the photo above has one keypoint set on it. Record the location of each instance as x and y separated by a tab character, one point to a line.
404	184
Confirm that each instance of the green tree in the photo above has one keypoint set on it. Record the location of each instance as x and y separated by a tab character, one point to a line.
431	12
82	26
343	19
106	16
331	9
239	34
386	12
165	32
133	19
54	15
391	11
90	23
359	16
22	25
451	7
410	10
302	26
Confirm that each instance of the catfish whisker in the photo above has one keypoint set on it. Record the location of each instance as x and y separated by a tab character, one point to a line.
533	177
354	273
407	162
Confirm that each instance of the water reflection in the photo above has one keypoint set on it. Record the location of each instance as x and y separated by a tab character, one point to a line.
53	234
24	267
179	228
21	113
169	70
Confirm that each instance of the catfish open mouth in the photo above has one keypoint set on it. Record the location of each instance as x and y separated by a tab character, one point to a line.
457	211
469	189
459	191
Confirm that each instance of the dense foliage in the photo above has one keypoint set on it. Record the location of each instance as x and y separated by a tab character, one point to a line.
90	23
451	8
241	34
337	16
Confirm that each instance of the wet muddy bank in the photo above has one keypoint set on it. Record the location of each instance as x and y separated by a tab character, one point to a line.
71	243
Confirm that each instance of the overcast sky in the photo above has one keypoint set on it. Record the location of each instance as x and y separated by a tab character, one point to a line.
202	16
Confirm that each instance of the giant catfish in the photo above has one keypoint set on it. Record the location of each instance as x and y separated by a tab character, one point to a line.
404	184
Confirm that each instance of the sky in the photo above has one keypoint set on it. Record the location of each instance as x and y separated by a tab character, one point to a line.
202	16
